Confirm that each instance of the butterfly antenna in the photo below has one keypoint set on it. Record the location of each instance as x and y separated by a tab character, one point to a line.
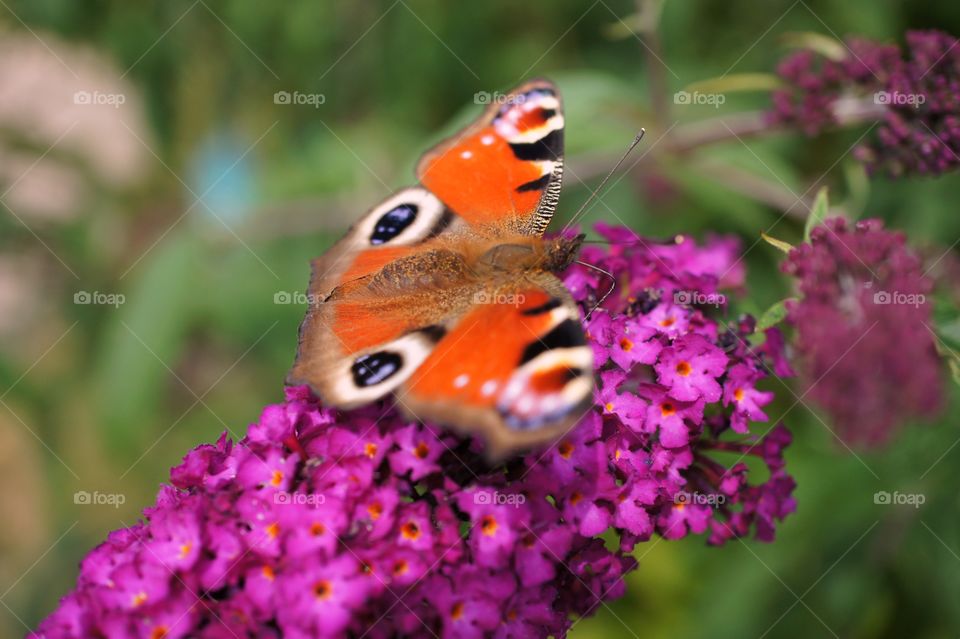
603	298
593	195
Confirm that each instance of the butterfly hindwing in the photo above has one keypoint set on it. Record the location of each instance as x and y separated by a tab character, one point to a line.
504	171
515	367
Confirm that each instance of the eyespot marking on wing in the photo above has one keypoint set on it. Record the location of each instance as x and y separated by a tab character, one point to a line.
375	368
393	222
547	388
405	218
371	375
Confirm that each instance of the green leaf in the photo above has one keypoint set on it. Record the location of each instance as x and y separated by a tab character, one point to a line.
824	45
774	315
737	82
786	247
818	213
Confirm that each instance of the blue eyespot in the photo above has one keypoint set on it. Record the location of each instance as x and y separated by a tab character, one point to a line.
392	223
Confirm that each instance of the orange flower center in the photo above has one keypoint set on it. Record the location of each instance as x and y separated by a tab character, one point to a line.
322	589
317	529
738	394
575	498
268	572
683	368
488	525
457	611
626	344
565	449
185	550
667	322
277	478
401	567
667	409
139	599
159	632
375	509
370	449
410	531
273	530
421	451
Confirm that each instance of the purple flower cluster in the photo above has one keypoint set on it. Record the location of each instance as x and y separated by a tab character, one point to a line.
322	523
863	328
820	92
916	98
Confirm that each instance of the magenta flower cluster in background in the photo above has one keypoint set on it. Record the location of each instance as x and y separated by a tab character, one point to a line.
914	94
864	329
320	523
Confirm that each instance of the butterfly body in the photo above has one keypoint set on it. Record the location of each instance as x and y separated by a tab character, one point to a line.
446	294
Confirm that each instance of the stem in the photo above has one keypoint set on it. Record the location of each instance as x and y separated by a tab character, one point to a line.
756	188
688	137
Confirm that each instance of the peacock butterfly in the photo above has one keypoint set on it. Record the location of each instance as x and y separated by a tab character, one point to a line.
446	293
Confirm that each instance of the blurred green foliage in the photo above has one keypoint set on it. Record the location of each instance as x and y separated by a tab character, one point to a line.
200	344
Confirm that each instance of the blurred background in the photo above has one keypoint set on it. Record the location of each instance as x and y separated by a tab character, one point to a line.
167	170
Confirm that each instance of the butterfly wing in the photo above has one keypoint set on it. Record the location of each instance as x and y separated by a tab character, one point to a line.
503	172
515	367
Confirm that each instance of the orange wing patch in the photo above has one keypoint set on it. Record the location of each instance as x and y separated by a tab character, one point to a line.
458	370
505	170
485	154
